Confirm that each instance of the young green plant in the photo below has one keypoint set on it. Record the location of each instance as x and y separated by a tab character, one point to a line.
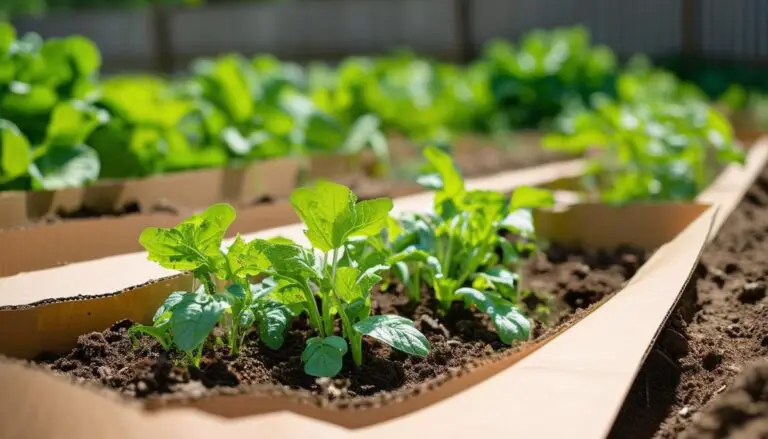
342	283
186	319
454	249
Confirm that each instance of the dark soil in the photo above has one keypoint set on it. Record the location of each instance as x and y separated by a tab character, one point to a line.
741	411
564	283
720	325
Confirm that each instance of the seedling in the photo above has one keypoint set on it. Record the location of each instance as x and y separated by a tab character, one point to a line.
453	250
341	283
186	319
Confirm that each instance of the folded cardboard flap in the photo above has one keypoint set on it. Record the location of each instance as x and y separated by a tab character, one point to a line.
599	226
86	239
183	190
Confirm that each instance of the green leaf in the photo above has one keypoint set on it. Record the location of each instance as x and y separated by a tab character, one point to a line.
396	331
346	284
15	154
84	54
323	357
367	218
7	37
158	333
194	243
194	318
72	122
511	325
273	319
292	261
63	166
319	207
452	181
169	304
331	216
520	222
531	198
247	259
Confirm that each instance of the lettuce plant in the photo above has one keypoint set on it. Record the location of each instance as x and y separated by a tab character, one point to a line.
341	284
660	140
454	249
186	318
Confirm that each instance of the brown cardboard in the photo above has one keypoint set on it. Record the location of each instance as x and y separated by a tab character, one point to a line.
182	190
84	239
571	386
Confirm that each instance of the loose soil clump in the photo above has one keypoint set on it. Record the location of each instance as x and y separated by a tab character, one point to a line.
565	282
720	325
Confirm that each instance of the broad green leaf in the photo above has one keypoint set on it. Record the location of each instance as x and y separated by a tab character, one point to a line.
288	294
525	197
323	357
15	154
64	166
346	285
292	261
319	207
170	302
247	259
72	122
84	54
452	181
273	319
366	218
194	243
370	277
510	324
194	318
396	331
331	215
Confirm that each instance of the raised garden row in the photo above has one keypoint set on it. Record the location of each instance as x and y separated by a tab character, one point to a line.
435	309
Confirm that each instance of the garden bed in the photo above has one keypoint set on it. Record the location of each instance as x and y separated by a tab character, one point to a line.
719	327
565	282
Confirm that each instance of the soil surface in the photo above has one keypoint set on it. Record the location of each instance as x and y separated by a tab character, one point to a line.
720	325
564	283
740	412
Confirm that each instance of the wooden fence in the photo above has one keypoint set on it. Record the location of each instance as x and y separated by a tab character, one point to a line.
166	39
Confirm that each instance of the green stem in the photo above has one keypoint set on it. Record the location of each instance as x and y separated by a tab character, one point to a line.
314	313
414	286
355	341
210	288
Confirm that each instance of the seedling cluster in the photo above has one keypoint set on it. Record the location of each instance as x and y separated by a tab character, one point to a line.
262	285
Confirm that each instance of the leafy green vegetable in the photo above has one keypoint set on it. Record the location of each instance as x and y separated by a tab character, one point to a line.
186	319
456	246
656	142
342	280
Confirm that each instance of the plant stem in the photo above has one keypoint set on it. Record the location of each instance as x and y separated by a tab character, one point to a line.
414	286
208	283
314	313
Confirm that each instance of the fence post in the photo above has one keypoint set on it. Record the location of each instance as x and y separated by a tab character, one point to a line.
466	49
161	41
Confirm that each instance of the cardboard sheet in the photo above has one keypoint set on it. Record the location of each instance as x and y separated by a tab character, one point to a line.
182	190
